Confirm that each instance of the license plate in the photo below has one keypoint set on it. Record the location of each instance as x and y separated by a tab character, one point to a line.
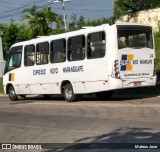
137	84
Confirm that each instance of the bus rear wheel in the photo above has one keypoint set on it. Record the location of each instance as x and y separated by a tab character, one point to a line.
68	93
12	94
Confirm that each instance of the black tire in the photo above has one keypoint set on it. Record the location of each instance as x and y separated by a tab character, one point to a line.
104	95
12	94
68	93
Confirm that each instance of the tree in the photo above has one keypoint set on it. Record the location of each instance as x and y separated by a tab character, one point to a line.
52	17
40	22
33	20
78	24
73	25
12	33
123	7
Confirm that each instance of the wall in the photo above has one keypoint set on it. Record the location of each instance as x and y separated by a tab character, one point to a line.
150	17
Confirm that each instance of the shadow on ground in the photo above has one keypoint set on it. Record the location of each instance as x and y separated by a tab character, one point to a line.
117	139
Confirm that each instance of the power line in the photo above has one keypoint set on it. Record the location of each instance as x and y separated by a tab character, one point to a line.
68	9
87	10
21	12
15	9
58	9
3	6
9	2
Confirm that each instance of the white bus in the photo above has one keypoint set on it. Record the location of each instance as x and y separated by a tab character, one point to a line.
91	60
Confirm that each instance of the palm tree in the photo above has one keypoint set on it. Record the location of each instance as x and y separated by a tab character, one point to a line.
40	22
32	15
52	17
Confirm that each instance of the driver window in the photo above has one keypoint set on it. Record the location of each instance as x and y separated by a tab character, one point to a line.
14	60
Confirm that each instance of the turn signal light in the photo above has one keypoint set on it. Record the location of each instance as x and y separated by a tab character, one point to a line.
154	72
116	69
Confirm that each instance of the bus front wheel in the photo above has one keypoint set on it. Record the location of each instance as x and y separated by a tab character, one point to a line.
68	93
12	94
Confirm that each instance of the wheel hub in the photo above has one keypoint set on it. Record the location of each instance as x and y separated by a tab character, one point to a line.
12	93
69	93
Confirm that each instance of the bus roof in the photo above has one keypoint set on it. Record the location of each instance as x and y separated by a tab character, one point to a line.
84	30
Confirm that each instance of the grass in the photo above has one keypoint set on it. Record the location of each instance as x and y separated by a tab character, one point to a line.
157	45
1	85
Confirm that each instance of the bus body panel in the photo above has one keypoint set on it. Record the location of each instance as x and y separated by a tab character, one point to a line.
145	82
114	83
89	79
136	63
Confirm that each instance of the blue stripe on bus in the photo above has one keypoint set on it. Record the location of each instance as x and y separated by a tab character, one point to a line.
10	76
123	68
124	57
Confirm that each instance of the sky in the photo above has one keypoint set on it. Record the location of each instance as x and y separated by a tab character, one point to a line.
89	9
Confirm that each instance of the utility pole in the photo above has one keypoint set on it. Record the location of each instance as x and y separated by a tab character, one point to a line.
2	62
64	14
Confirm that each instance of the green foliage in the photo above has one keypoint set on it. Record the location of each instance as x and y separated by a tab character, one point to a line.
122	7
12	33
77	24
98	22
40	22
157	45
1	86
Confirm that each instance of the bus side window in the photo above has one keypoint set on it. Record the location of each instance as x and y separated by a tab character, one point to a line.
76	48
42	53
58	51
29	55
96	45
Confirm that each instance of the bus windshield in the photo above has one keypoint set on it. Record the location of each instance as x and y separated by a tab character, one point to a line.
14	59
134	36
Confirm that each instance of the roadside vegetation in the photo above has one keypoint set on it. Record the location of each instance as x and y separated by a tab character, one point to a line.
1	86
130	7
